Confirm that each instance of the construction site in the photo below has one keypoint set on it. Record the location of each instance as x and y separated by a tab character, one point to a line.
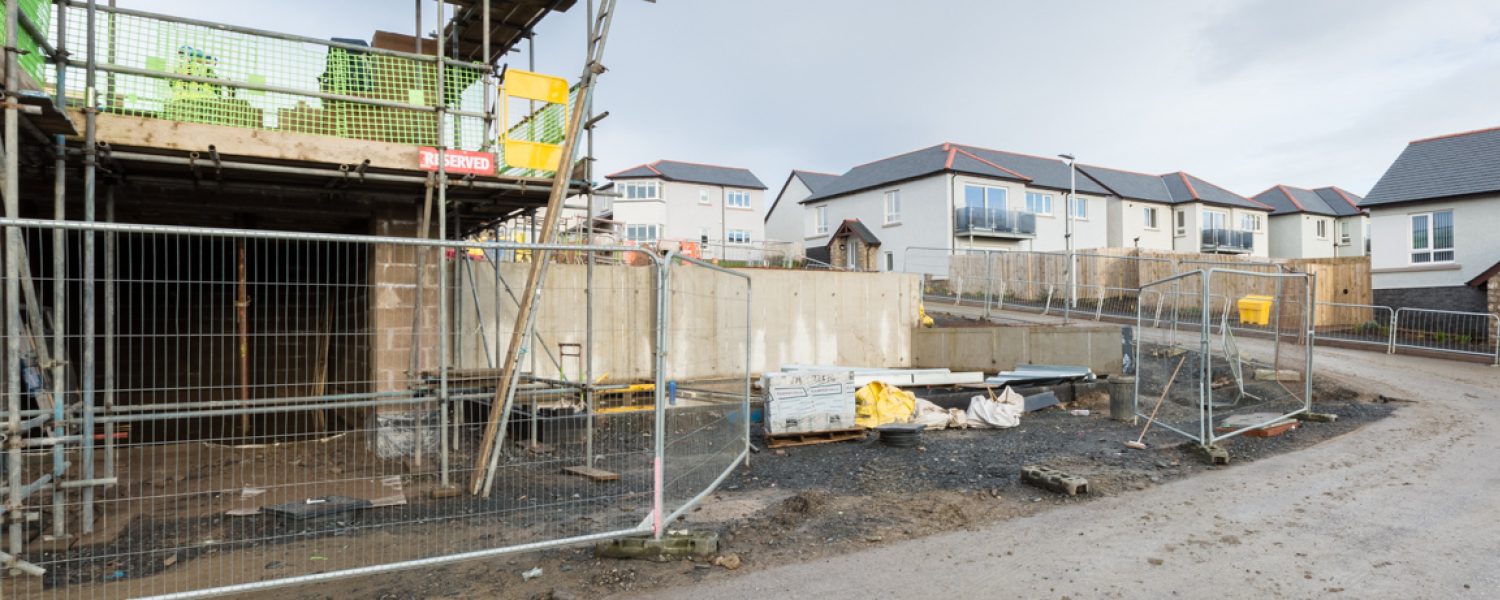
339	318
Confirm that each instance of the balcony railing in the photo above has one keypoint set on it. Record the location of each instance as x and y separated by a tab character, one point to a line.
968	220
1228	240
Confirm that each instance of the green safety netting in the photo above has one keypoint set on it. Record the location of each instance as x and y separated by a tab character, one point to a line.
39	12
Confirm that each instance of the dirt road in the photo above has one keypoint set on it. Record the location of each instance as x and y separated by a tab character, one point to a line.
1405	508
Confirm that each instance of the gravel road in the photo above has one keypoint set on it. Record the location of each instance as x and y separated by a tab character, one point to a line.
1405	508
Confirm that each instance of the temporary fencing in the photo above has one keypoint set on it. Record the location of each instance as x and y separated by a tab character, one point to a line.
270	408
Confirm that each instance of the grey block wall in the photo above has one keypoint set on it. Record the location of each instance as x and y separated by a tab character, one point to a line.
1458	298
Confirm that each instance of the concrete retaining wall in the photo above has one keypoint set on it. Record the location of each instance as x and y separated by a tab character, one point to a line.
993	349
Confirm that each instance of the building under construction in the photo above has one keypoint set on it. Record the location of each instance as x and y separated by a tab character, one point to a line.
263	289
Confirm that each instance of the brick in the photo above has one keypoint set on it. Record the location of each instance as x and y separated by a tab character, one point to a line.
1052	479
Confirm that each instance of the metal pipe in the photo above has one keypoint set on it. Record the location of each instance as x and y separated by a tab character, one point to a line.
417	56
397	566
442	282
39	37
90	180
284	170
252	234
242	313
161	406
588	286
419	301
109	331
59	286
413	401
659	426
16	516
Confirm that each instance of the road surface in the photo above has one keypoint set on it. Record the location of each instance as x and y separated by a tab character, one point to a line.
1408	507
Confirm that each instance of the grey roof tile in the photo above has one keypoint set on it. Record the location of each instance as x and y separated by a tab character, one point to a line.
672	170
815	181
1129	184
1440	167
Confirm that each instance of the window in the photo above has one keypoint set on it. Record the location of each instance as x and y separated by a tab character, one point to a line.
739	236
703	196
983	196
1181	222
820	225
1432	237
1079	207
640	190
1345	235
893	207
737	199
1250	223
1039	203
1322	229
1149	217
890	261
640	233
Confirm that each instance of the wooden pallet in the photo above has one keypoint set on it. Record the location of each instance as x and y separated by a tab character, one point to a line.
807	438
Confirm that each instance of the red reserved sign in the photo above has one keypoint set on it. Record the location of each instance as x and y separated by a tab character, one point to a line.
459	161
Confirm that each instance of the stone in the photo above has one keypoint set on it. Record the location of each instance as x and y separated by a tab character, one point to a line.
728	561
1055	480
675	544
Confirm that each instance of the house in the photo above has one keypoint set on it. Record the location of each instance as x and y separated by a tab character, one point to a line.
787	225
1432	216
1318	223
1180	211
951	196
853	247
673	201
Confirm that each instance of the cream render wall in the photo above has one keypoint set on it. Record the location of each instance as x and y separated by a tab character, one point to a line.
682	216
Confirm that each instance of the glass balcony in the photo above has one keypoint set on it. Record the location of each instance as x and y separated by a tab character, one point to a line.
994	222
1228	241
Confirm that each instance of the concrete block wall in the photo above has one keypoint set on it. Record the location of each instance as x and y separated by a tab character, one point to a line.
393	291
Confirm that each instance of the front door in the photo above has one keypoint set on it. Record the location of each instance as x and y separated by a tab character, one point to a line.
851	255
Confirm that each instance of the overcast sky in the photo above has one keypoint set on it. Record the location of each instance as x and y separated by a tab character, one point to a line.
1244	93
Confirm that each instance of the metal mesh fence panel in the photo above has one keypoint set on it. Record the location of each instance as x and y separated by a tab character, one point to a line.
1251	388
270	408
1169	372
705	415
1448	331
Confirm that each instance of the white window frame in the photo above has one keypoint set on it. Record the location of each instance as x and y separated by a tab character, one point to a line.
1346	237
704	197
893	207
739	199
1179	226
635	190
1203	224
1430	249
890	261
631	230
1148	217
820	220
1253	221
1322	228
1074	204
738	236
988	191
1042	200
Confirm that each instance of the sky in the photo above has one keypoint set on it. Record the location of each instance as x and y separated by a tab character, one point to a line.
1244	93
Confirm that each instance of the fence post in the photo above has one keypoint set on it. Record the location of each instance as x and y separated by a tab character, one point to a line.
988	279
1390	347
663	313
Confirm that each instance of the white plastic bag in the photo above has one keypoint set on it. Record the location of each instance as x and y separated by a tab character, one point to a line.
930	415
1004	411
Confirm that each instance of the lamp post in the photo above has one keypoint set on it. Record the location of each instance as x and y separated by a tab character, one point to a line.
1068	227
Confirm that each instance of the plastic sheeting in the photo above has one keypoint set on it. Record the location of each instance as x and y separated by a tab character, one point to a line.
998	412
876	404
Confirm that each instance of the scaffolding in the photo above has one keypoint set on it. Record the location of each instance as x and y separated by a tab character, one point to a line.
442	94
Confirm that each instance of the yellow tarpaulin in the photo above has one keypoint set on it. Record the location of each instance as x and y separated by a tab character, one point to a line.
877	404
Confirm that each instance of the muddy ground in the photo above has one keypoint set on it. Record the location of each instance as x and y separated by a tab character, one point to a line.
807	502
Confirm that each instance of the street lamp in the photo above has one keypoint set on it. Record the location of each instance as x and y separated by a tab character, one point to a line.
1068	227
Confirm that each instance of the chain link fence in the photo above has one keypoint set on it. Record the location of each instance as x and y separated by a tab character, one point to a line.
227	411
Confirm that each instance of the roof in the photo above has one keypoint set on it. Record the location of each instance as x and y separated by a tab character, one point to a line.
1484	277
1329	201
857	229
1035	171
812	180
1458	164
1171	188
956	158
675	170
510	22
